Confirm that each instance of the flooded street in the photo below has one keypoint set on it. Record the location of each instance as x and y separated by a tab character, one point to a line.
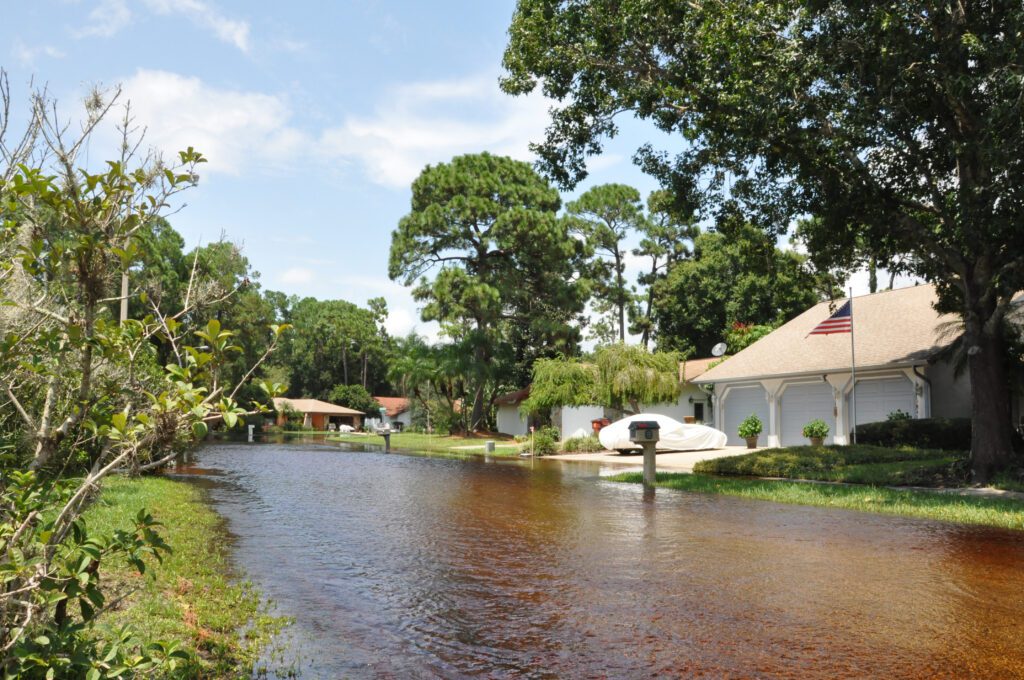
405	566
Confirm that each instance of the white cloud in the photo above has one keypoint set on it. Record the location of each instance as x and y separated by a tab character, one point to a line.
296	276
28	55
232	31
429	122
109	17
859	281
106	18
235	130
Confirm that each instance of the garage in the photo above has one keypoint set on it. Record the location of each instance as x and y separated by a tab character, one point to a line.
802	403
879	397
740	402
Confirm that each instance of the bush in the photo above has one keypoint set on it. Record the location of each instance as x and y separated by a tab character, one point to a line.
544	443
750	427
582	444
949	434
816	428
898	415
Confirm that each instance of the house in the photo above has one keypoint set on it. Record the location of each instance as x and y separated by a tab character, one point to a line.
316	414
397	413
693	405
789	377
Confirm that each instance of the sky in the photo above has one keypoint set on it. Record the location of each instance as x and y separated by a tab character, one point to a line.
315	117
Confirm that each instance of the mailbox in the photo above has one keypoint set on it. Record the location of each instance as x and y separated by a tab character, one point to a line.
644	431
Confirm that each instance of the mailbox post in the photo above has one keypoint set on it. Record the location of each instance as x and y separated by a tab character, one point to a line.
646	434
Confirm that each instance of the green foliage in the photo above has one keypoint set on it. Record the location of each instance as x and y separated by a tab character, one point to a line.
587	444
750	426
618	375
490	260
899	415
816	428
855	464
785	108
736	287
950	434
355	397
545	442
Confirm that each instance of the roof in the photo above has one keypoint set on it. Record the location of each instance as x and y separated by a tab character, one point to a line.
315	406
695	367
513	398
393	405
891	328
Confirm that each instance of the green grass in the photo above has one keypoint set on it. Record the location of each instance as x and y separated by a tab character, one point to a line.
996	512
857	464
190	597
432	443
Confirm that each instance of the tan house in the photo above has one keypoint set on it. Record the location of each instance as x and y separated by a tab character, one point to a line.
790	377
317	414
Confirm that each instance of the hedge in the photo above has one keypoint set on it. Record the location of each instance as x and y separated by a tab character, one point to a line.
949	434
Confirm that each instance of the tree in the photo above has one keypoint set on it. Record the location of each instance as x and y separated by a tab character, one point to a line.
616	376
664	242
897	124
356	397
736	276
83	393
485	229
605	216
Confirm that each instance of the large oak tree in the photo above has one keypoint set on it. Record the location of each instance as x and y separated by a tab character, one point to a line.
895	123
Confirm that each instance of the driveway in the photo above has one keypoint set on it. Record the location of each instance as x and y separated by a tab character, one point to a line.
680	461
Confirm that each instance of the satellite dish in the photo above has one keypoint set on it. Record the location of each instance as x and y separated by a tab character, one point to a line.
719	349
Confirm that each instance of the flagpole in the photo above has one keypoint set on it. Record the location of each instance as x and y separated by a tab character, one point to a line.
853	372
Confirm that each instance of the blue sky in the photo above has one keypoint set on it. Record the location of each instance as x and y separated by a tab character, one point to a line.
316	116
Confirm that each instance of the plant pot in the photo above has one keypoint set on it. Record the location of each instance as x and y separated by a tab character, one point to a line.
751	442
817	441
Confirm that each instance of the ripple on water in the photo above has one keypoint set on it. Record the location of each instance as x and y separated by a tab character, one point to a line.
411	566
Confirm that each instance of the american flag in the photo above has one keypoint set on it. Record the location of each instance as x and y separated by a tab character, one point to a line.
840	322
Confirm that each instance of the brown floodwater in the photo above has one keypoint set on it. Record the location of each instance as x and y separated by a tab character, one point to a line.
400	566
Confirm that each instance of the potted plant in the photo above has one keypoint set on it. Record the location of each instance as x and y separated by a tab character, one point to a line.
749	429
816	431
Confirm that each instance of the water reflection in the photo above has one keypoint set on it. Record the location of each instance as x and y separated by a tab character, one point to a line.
409	566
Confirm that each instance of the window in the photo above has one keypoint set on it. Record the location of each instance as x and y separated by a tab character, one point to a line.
698	412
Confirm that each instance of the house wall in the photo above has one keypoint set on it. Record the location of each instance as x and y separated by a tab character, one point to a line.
572	419
951	394
577	418
510	421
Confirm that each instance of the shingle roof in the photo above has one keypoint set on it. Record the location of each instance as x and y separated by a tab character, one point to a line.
315	406
897	327
513	398
393	405
695	367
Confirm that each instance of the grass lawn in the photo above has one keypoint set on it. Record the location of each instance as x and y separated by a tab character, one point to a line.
432	443
996	512
856	464
190	597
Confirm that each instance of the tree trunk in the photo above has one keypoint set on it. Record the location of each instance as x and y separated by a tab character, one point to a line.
992	424
365	362
620	293
344	364
873	274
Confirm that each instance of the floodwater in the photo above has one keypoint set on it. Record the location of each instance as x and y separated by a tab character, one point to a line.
401	566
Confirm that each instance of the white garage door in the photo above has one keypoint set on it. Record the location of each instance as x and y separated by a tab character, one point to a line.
739	403
800	404
876	399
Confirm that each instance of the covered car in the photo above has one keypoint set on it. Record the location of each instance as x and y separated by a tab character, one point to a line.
673	435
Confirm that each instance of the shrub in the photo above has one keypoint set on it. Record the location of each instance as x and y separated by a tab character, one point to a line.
544	443
750	427
582	444
816	428
950	434
898	415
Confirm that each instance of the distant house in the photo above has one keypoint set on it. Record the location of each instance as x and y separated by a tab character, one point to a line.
789	377
316	414
693	405
397	413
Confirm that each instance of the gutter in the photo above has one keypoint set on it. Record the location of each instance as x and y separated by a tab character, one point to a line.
812	373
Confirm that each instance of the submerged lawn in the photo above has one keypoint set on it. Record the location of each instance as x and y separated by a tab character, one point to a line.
190	597
996	512
856	464
432	443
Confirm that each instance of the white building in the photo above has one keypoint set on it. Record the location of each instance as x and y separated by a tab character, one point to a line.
789	377
694	405
397	413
